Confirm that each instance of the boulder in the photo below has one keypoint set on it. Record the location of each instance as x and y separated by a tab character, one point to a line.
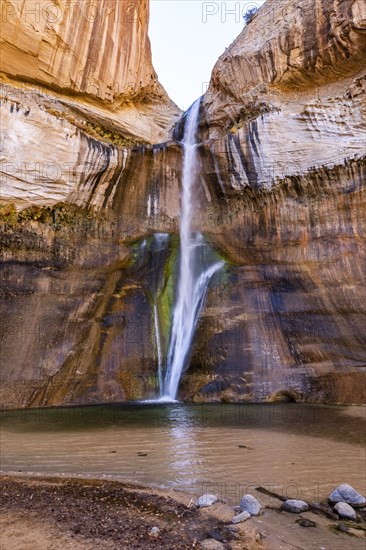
346	493
206	500
250	504
295	506
345	511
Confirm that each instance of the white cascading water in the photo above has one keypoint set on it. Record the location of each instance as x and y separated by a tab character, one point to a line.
158	345
192	282
160	242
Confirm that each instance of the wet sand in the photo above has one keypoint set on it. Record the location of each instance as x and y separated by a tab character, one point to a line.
51	513
85	514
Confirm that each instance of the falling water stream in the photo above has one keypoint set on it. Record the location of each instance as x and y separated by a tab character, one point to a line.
194	273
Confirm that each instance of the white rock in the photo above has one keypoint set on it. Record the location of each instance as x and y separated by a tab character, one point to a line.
295	506
346	493
154	532
211	544
241	517
206	500
250	504
344	510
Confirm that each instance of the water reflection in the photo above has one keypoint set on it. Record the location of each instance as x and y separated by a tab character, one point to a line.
291	448
183	449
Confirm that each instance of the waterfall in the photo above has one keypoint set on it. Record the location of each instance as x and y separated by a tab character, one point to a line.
158	345
160	242
195	271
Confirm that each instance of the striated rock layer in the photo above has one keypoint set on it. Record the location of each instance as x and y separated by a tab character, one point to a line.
89	58
291	52
90	243
284	119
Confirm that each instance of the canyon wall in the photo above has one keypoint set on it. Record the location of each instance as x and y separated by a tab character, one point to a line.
80	104
284	121
89	234
69	69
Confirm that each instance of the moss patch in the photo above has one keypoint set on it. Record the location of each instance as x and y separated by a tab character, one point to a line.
131	385
97	131
250	112
58	216
166	296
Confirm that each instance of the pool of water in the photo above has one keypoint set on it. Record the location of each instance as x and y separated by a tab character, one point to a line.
302	451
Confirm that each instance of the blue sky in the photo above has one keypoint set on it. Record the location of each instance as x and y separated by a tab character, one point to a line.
187	37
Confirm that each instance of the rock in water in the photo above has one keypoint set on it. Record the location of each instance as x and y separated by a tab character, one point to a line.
345	511
295	506
346	493
206	500
241	517
250	504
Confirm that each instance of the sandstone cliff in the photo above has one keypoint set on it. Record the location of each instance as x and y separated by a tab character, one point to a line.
281	196
83	65
290	53
284	120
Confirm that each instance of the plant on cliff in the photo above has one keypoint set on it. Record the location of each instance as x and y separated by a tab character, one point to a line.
97	131
8	215
250	112
57	216
248	16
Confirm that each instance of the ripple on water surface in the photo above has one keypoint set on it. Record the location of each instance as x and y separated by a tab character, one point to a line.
300	450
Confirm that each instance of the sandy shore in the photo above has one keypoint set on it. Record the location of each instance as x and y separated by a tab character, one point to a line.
54	513
42	513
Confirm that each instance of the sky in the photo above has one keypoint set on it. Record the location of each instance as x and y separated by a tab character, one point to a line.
187	37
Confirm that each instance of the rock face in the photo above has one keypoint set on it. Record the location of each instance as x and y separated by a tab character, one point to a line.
72	166
286	55
284	123
91	57
79	101
77	46
89	213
